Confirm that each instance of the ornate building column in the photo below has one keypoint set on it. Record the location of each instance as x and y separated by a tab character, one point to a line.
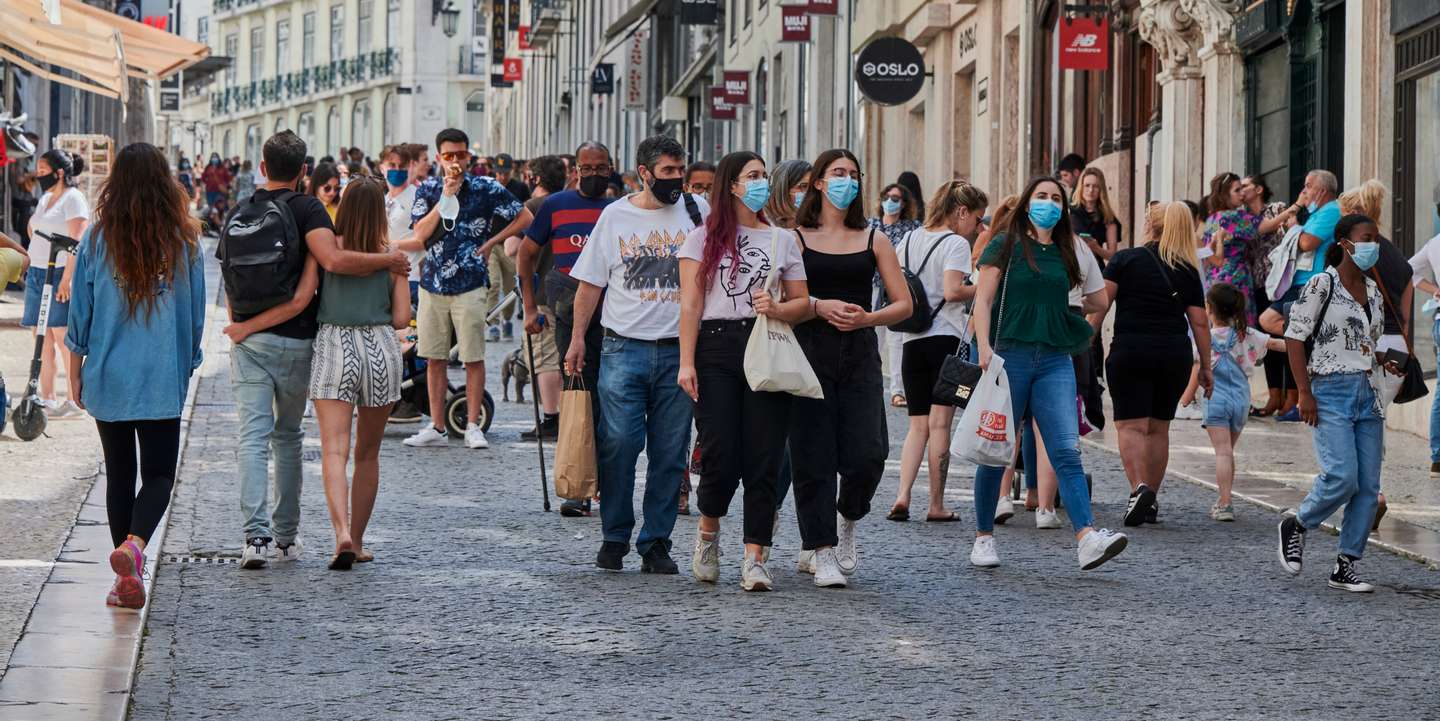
1178	169
1224	69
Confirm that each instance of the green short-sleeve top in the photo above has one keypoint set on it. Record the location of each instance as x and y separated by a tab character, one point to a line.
1036	302
356	300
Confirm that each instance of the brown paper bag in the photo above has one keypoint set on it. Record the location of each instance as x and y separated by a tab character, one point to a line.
577	476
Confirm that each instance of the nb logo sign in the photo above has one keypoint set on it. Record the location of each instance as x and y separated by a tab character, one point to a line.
1085	40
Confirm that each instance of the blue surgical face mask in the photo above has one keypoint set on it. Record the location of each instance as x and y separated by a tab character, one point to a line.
396	178
1365	255
842	191
1044	214
891	206
756	193
800	198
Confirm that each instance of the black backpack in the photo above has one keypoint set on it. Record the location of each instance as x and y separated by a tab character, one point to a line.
260	254
921	316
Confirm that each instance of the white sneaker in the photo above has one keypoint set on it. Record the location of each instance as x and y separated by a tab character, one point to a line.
255	554
1099	546
288	554
983	554
68	409
845	554
1192	411
428	437
1004	510
754	576
827	570
705	559
805	563
1046	519
475	438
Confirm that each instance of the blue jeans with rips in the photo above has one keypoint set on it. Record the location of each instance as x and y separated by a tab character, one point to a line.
1349	444
641	407
1042	385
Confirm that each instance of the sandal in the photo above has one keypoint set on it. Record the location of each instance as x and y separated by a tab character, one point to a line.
949	517
898	400
344	557
898	513
364	556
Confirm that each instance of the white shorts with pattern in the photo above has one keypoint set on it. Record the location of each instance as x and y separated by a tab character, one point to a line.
359	365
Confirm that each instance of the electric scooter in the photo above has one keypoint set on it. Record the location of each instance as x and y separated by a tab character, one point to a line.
29	416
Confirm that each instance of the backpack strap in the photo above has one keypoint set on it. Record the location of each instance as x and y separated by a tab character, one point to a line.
928	253
693	209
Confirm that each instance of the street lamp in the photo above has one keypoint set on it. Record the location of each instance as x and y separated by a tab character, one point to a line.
449	16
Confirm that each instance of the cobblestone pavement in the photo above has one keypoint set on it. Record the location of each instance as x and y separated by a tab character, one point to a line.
480	606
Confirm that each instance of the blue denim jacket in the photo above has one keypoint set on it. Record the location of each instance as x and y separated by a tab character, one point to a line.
136	368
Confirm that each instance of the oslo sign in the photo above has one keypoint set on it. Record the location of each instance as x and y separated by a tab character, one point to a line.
890	71
1085	44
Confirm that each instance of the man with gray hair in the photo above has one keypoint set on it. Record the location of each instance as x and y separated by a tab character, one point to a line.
1318	233
632	257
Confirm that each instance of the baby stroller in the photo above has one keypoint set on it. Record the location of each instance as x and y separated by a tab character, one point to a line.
414	389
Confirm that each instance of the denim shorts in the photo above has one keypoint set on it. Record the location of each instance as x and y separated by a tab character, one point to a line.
59	312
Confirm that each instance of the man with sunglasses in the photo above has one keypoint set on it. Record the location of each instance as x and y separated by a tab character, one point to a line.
454	216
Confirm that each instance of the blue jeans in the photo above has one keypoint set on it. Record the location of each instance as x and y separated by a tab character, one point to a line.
1042	385
641	407
270	377
1350	444
1435	405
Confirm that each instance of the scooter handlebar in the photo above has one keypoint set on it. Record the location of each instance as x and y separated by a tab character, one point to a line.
58	242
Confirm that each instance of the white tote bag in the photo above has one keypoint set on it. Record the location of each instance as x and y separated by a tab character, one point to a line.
986	434
774	360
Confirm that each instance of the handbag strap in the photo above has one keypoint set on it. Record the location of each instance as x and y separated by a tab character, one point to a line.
1164	273
773	282
1385	300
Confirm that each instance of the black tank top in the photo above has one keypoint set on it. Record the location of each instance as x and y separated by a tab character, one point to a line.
841	276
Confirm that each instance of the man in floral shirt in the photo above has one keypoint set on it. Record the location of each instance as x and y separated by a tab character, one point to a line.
452	216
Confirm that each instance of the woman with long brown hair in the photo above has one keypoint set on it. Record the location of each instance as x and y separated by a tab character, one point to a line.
138	309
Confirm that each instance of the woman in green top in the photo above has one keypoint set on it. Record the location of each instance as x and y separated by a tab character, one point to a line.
1022	313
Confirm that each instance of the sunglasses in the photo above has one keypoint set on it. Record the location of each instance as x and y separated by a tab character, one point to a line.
456	156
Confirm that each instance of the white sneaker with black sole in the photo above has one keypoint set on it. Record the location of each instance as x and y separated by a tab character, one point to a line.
827	570
845	554
1343	576
1099	546
983	554
475	438
1004	510
428	437
256	553
1142	499
288	553
1291	550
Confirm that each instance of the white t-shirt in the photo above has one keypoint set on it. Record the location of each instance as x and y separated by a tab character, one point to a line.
729	296
635	255
1426	263
72	204
1091	279
397	213
951	253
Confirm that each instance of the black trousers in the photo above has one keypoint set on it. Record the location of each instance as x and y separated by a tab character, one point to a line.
741	433
560	291
841	436
159	451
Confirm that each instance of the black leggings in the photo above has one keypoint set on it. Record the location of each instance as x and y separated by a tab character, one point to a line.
159	441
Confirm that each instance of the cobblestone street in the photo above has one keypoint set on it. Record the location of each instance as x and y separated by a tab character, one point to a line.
481	606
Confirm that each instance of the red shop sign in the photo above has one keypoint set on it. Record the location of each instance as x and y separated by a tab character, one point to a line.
737	87
524	34
720	107
1085	43
794	23
824	7
514	69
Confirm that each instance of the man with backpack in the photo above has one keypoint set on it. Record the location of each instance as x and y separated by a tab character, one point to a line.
265	248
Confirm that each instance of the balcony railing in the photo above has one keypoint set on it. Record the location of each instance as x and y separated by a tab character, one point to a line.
298	85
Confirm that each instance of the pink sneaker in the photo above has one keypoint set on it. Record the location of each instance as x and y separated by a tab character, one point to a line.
128	562
113	597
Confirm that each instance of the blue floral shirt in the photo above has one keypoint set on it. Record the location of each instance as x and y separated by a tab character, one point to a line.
452	263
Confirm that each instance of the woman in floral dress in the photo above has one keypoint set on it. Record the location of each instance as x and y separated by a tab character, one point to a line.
1231	233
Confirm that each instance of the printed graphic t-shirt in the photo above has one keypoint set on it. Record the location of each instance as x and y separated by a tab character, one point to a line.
634	254
730	294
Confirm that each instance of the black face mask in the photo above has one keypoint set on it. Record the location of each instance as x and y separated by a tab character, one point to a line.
47	181
593	186
667	190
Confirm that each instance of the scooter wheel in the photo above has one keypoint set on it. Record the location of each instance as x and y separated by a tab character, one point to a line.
457	414
29	420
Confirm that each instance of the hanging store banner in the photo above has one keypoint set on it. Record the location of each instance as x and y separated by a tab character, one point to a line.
602	79
1085	43
699	12
890	71
497	31
794	23
522	37
514	70
824	7
737	87
497	80
513	22
636	73
720	106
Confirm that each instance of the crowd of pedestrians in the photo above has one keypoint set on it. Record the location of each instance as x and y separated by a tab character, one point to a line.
646	288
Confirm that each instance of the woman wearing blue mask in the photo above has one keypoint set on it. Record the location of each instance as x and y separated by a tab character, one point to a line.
1332	336
896	216
839	443
1022	313
724	267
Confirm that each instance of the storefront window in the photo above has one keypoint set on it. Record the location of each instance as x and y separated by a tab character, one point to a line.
1424	218
1268	82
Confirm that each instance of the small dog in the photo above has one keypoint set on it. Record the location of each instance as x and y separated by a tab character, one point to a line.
514	367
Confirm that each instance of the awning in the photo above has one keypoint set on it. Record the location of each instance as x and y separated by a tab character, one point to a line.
697	70
102	48
634	15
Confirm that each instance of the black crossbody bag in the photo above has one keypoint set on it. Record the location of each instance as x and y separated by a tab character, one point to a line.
958	376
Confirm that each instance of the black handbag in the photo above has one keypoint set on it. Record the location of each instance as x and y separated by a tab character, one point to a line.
1412	388
958	376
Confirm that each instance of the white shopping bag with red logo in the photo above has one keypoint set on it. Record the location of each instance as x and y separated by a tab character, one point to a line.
986	434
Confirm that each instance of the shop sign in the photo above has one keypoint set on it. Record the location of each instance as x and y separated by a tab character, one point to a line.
720	106
1085	43
824	7
523	37
514	70
699	12
737	87
497	80
965	42
636	73
794	23
602	79
890	71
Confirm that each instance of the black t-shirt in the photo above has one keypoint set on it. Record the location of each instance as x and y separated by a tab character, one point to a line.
518	189
1143	301
1396	273
309	215
1082	222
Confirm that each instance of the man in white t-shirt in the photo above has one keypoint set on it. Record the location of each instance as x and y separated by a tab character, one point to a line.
397	162
632	258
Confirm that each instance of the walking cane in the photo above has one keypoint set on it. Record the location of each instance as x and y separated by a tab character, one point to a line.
539	430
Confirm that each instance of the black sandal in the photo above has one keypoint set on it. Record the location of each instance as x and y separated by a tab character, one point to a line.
899	513
343	561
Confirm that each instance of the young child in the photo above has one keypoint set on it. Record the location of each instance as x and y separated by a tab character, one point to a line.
1235	350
